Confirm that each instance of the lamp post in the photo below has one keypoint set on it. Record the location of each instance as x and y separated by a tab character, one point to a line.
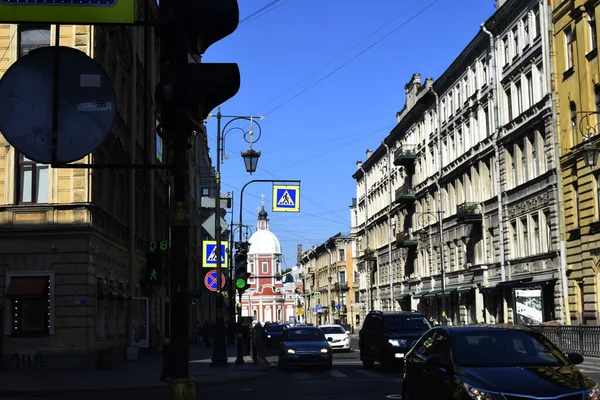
389	221
368	258
424	219
329	279
250	157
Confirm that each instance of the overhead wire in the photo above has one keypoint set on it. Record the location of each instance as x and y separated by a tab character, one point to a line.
262	11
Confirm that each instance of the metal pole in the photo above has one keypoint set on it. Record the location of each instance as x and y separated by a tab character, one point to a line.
240	349
367	261
219	357
232	308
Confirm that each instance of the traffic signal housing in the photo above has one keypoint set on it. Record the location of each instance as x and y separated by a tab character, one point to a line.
241	272
154	267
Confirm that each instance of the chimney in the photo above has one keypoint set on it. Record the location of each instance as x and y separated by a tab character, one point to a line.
369	153
411	89
359	164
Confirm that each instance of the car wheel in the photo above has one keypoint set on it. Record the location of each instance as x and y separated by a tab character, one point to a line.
368	364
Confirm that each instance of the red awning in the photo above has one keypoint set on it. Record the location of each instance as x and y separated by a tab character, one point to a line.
27	286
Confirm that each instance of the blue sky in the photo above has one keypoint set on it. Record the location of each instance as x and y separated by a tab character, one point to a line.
329	76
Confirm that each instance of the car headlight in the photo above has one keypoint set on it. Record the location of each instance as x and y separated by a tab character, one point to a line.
268	336
291	351
324	351
397	342
478	394
592	394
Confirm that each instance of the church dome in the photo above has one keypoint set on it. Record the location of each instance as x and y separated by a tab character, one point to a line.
262	214
264	242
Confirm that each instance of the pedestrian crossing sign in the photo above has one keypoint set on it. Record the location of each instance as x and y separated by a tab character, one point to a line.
209	255
286	198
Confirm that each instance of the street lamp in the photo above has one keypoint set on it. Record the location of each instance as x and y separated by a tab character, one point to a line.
219	357
329	278
424	218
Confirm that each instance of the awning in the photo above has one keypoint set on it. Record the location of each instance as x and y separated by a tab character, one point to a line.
27	286
420	294
464	289
433	293
401	296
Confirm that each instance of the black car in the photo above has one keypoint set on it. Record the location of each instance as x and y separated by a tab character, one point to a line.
386	337
494	363
274	333
304	346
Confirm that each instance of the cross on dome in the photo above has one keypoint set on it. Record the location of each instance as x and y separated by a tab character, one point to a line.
262	196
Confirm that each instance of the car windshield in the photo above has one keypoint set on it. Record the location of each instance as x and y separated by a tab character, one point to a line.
332	329
406	323
304	335
274	328
501	348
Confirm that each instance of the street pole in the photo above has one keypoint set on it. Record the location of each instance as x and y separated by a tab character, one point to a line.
389	219
231	289
240	349
219	357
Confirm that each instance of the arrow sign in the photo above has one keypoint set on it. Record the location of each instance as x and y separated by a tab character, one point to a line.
209	225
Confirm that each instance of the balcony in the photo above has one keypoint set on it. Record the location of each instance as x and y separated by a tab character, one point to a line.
341	287
405	155
406	240
469	213
405	195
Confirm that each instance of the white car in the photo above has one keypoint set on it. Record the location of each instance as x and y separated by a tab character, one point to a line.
337	336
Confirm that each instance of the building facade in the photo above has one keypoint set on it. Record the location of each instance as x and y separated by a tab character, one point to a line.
73	241
476	202
330	283
576	72
266	300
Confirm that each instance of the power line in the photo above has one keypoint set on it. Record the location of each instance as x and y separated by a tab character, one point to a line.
354	58
263	10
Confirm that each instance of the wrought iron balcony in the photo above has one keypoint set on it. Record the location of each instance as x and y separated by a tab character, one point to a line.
341	286
469	213
405	155
406	240
405	195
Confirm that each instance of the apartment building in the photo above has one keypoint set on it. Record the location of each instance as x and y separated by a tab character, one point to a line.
576	66
73	242
330	282
476	210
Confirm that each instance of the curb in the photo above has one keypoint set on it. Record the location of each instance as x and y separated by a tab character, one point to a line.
199	383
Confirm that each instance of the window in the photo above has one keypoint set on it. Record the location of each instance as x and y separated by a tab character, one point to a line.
573	108
592	25
525	232
569	51
538	24
265	267
486	115
506	51
575	199
342	277
32	181
33	37
597	194
526	32
597	98
519	91
30	305
535	227
341	254
516	43
509	111
530	99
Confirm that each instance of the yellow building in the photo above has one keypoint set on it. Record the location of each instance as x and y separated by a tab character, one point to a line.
329	280
73	242
577	80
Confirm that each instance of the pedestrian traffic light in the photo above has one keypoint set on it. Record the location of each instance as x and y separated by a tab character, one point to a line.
154	267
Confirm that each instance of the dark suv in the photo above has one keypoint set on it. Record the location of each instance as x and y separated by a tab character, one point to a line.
386	337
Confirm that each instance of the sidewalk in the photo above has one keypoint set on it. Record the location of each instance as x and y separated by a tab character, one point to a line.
141	374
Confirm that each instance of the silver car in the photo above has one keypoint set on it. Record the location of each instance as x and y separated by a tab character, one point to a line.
304	346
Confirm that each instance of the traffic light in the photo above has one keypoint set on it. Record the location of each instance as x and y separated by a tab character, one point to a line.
241	272
194	89
154	267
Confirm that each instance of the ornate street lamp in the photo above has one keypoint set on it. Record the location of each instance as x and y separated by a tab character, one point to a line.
590	154
251	157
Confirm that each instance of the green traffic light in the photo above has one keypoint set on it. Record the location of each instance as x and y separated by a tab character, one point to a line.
240	283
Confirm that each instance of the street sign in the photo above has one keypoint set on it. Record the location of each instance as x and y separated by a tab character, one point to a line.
210	280
80	12
357	304
209	256
317	294
314	310
286	198
209	225
319	307
210	202
338	307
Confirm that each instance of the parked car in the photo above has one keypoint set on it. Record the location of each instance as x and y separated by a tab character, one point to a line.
273	333
386	337
337	336
304	346
493	362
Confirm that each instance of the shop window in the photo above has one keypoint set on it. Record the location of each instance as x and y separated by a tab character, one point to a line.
30	306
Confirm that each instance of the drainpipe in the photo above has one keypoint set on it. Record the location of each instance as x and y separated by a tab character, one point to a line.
369	283
389	218
495	141
549	70
440	213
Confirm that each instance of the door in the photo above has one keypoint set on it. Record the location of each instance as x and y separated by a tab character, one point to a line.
141	322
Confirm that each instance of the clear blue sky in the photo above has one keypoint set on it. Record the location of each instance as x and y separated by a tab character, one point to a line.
295	48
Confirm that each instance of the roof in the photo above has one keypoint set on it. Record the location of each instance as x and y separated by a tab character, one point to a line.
264	242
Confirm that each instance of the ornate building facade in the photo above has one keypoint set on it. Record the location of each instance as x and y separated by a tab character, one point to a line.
266	300
476	195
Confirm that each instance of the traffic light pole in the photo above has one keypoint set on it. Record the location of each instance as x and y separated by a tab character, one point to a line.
239	360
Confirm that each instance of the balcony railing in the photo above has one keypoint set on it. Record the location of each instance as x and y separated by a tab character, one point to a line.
406	240
582	339
405	195
469	213
341	287
405	155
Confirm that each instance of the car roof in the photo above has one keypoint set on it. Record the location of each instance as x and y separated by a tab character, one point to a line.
294	328
330	326
392	313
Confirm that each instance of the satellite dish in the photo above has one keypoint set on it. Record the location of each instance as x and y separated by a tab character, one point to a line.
85	105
